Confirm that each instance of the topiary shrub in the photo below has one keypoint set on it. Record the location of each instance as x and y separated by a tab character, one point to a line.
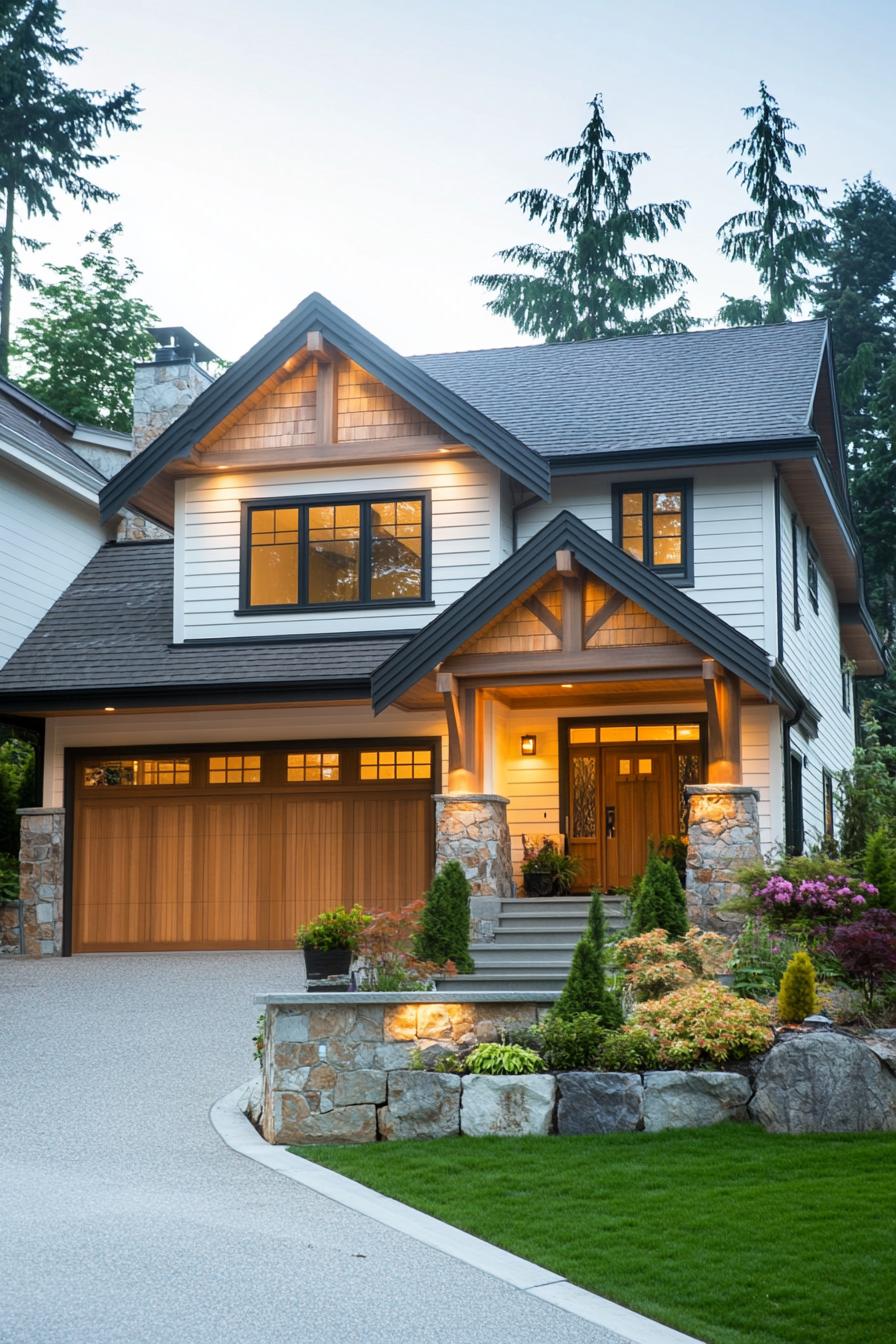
659	902
631	1050
586	990
571	1043
445	922
796	997
879	867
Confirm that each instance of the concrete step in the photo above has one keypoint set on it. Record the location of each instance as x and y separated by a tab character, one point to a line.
497	955
511	979
540	936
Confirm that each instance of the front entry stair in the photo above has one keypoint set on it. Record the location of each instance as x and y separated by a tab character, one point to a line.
533	944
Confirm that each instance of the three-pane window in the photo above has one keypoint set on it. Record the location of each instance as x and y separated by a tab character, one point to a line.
652	524
351	552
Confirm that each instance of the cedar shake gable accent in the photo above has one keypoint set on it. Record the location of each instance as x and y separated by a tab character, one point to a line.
444	635
316	314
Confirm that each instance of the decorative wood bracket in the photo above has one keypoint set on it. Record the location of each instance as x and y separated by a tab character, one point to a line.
603	614
547	618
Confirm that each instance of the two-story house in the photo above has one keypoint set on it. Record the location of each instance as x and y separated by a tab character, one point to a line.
608	590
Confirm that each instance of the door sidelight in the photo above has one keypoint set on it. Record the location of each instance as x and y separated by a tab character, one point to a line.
610	813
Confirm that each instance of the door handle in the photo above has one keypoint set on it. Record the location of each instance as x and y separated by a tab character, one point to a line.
610	814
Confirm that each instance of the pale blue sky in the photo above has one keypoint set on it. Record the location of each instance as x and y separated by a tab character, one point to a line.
365	150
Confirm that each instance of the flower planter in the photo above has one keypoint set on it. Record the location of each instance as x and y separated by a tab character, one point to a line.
320	965
538	884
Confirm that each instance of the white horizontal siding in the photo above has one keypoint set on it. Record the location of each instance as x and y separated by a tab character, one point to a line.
733	570
466	542
46	538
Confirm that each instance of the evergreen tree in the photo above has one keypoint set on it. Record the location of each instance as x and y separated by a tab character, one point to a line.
586	990
445	923
879	867
783	233
659	902
86	330
796	997
48	132
599	284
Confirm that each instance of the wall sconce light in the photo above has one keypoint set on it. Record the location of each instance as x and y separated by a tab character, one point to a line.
527	744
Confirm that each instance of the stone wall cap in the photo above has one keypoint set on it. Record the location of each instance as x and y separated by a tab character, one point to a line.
734	790
470	798
40	811
362	997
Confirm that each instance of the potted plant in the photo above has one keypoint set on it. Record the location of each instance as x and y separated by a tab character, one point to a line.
331	940
537	867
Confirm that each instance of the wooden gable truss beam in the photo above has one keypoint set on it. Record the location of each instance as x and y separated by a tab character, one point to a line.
723	705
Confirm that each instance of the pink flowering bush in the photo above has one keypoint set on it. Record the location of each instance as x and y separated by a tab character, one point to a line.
830	899
704	1024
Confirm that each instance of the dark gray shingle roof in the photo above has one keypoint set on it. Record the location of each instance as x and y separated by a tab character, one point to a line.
735	385
111	630
20	423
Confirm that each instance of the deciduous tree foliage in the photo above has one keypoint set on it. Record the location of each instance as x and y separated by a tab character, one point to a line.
783	233
78	348
48	132
599	284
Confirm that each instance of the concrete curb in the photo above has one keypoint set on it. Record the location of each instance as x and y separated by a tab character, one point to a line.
237	1131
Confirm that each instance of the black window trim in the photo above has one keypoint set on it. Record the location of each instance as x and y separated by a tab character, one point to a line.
303	503
812	566
846	685
794	800
682	576
795	553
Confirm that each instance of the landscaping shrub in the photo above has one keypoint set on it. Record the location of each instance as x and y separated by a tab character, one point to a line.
387	946
704	1024
866	952
760	958
659	900
796	997
654	964
586	990
867	791
495	1058
570	1043
333	928
445	923
629	1050
9	878
807	893
879	867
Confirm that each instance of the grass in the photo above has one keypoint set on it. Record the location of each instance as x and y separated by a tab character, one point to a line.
730	1234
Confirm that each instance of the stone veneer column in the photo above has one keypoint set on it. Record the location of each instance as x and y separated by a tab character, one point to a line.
472	828
723	836
41	867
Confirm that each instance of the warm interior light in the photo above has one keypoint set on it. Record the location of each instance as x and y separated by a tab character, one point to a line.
444	450
566	685
527	744
220	468
109	709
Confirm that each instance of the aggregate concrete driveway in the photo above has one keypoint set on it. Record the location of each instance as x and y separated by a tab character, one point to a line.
123	1217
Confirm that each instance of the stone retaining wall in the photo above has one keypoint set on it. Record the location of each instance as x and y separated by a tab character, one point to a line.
9	926
41	867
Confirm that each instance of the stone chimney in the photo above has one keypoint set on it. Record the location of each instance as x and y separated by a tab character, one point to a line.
166	385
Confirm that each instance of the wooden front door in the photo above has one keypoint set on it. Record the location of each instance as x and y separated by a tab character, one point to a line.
166	867
639	806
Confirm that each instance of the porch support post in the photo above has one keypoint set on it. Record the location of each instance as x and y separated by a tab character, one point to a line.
463	712
723	837
723	724
41	865
472	829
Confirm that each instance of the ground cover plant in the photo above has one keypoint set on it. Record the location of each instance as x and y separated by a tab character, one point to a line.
729	1234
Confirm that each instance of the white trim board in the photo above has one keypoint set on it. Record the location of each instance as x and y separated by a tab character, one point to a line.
237	1131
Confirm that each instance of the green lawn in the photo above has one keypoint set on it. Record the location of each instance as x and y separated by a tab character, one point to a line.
730	1234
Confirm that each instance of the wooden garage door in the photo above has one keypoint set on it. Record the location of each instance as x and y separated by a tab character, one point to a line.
159	864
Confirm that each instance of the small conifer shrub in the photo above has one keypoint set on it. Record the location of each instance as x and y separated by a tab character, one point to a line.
796	997
879	867
445	922
586	990
659	902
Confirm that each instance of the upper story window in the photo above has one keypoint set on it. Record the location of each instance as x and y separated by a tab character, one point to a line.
653	522
812	573
335	553
795	553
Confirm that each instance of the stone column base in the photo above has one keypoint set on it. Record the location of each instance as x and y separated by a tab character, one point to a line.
41	867
723	837
472	828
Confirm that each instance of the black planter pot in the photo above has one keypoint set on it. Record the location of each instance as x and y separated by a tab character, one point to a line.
335	961
538	884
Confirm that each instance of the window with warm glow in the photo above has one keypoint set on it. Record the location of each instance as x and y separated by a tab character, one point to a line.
115	774
309	767
336	552
234	770
398	764
652	523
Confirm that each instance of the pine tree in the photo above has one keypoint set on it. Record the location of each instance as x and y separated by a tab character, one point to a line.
586	990
598	285
445	923
660	900
797	999
879	868
783	234
86	330
48	132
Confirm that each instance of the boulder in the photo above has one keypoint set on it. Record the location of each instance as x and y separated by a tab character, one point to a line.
674	1099
508	1105
599	1103
824	1083
357	1086
420	1106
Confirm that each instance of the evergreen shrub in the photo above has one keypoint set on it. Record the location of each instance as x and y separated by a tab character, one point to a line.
445	922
